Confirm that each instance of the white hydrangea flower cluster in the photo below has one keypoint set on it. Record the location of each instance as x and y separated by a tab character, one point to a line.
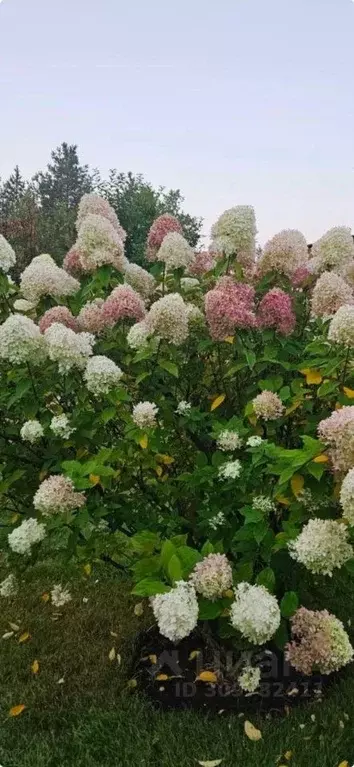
217	521
334	250
67	348
60	426
255	613
284	253
176	612
140	280
341	329
212	576
94	204
99	243
322	546
60	596
254	441
263	504
329	294
26	535
175	251
268	406
183	407
56	495
228	440
168	318
347	497
101	375
235	231
249	678
21	341
7	255
144	415
42	277
189	283
230	470
138	335
22	305
9	587
31	431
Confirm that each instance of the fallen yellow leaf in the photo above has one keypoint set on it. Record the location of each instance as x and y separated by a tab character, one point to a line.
283	500
112	654
344	764
251	731
312	376
194	654
288	755
131	684
139	609
153	659
87	569
23	638
94	479
7	635
161	678
207	676
217	401
229	339
321	458
35	667
348	392
17	710
14	626
297	484
119	659
143	441
45	597
213	763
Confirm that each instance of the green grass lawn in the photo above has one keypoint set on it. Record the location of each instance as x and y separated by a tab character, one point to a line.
92	719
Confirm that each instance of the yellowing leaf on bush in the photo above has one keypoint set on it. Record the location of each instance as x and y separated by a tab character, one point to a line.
35	667
194	654
229	339
23	638
297	484
94	479
252	419
42	475
251	731
312	376
81	452
112	654
17	710
344	764
159	470
321	458
14	519
88	569
143	441
153	659
207	676
348	392
338	406
213	763
161	678
217	401
283	500
228	594
293	407
166	459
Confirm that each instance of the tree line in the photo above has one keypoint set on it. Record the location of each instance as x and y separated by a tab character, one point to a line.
38	215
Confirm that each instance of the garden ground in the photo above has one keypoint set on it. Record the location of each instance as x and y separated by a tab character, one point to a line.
82	712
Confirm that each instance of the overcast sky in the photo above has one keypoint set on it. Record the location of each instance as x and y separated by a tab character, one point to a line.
232	101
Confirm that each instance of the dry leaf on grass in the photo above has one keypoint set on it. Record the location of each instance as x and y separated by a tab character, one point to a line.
194	654
213	763
8	635
14	626
153	659
139	609
24	637
119	659
45	597
207	676
217	402
35	667
251	731
17	710
112	654
88	569
132	684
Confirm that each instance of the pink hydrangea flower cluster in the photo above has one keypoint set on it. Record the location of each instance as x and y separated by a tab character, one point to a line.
319	642
203	262
275	311
57	495
123	302
268	406
337	431
58	314
329	293
301	277
93	203
284	253
72	263
212	576
228	306
159	228
91	318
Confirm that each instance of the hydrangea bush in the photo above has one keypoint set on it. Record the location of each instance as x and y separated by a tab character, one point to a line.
191	423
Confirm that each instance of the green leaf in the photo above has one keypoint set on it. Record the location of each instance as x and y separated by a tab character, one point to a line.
273	383
189	558
243	572
327	387
208	548
282	635
146	567
167	551
108	414
316	469
170	367
141	377
349	566
179	540
208	610
145	542
289	604
251	358
174	569
148	587
266	578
